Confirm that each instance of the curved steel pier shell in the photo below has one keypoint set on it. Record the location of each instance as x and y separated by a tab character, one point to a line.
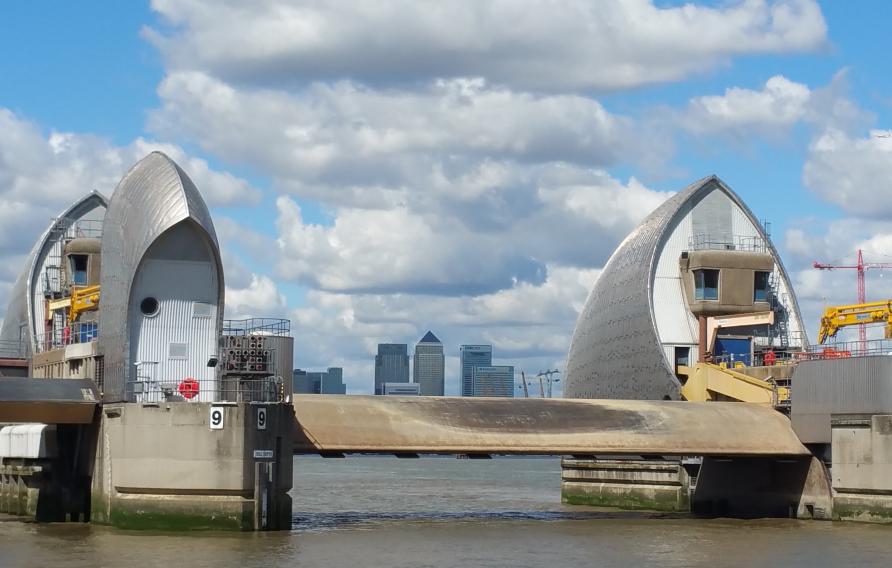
153	197
618	350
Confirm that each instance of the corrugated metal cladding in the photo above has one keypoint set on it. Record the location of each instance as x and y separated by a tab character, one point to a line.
616	350
711	217
283	348
173	344
25	313
154	196
675	323
855	385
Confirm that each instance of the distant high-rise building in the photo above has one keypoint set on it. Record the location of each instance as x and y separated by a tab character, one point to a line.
493	381
401	389
319	382
429	369
473	356
391	365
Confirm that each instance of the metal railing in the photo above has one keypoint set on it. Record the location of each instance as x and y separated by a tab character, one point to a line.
77	332
257	326
148	389
704	241
846	349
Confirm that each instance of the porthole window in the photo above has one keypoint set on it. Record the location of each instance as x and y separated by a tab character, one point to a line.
149	306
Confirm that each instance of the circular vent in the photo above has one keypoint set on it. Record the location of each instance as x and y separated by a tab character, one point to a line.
149	306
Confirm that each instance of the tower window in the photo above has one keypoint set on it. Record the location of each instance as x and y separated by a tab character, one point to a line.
79	269
760	286
706	284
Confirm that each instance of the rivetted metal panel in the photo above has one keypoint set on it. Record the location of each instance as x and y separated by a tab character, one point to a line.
712	217
616	351
22	313
853	385
151	198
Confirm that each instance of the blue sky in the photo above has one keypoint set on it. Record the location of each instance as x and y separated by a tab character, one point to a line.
351	135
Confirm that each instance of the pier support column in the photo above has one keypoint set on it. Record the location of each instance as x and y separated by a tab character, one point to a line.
191	466
654	485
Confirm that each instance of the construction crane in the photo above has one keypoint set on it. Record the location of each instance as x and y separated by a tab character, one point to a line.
862	267
547	377
526	391
837	317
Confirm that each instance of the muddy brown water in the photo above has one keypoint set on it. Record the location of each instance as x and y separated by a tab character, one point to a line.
380	511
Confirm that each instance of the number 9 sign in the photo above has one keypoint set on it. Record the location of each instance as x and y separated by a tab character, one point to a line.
216	418
261	418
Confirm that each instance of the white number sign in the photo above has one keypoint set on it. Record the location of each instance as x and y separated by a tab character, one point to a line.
261	418
216	418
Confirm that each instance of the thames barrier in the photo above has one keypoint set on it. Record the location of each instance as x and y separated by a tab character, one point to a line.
131	401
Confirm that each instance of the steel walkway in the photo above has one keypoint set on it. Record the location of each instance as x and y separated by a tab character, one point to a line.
50	401
378	424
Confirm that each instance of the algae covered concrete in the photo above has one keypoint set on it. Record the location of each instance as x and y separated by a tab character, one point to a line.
164	467
625	484
861	449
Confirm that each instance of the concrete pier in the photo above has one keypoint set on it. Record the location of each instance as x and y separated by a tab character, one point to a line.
655	485
177	465
862	468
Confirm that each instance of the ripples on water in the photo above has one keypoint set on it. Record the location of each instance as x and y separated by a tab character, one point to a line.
383	512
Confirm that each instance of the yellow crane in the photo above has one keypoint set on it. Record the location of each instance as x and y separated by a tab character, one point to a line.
837	317
83	299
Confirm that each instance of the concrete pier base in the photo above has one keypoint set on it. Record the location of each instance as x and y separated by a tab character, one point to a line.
862	467
654	485
20	487
763	487
193	466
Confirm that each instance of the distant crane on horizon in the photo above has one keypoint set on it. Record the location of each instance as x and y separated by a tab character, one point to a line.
547	376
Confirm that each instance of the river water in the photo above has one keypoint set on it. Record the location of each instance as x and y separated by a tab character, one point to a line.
363	512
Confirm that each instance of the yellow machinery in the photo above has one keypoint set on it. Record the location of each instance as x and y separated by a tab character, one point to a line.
837	317
709	382
82	300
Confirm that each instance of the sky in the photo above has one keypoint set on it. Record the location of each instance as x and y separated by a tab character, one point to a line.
380	168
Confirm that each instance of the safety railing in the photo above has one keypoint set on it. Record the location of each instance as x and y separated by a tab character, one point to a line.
704	241
257	326
846	349
77	332
146	388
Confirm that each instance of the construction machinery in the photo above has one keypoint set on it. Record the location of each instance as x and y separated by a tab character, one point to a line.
83	298
861	267
709	382
838	317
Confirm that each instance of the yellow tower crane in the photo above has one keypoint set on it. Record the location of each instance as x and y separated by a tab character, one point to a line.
838	317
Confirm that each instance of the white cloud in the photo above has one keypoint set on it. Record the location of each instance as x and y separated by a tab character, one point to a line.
260	298
778	106
42	174
352	144
529	325
572	216
532	45
853	173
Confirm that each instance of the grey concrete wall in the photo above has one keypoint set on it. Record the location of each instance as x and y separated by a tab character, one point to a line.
862	468
162	466
625	484
736	280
